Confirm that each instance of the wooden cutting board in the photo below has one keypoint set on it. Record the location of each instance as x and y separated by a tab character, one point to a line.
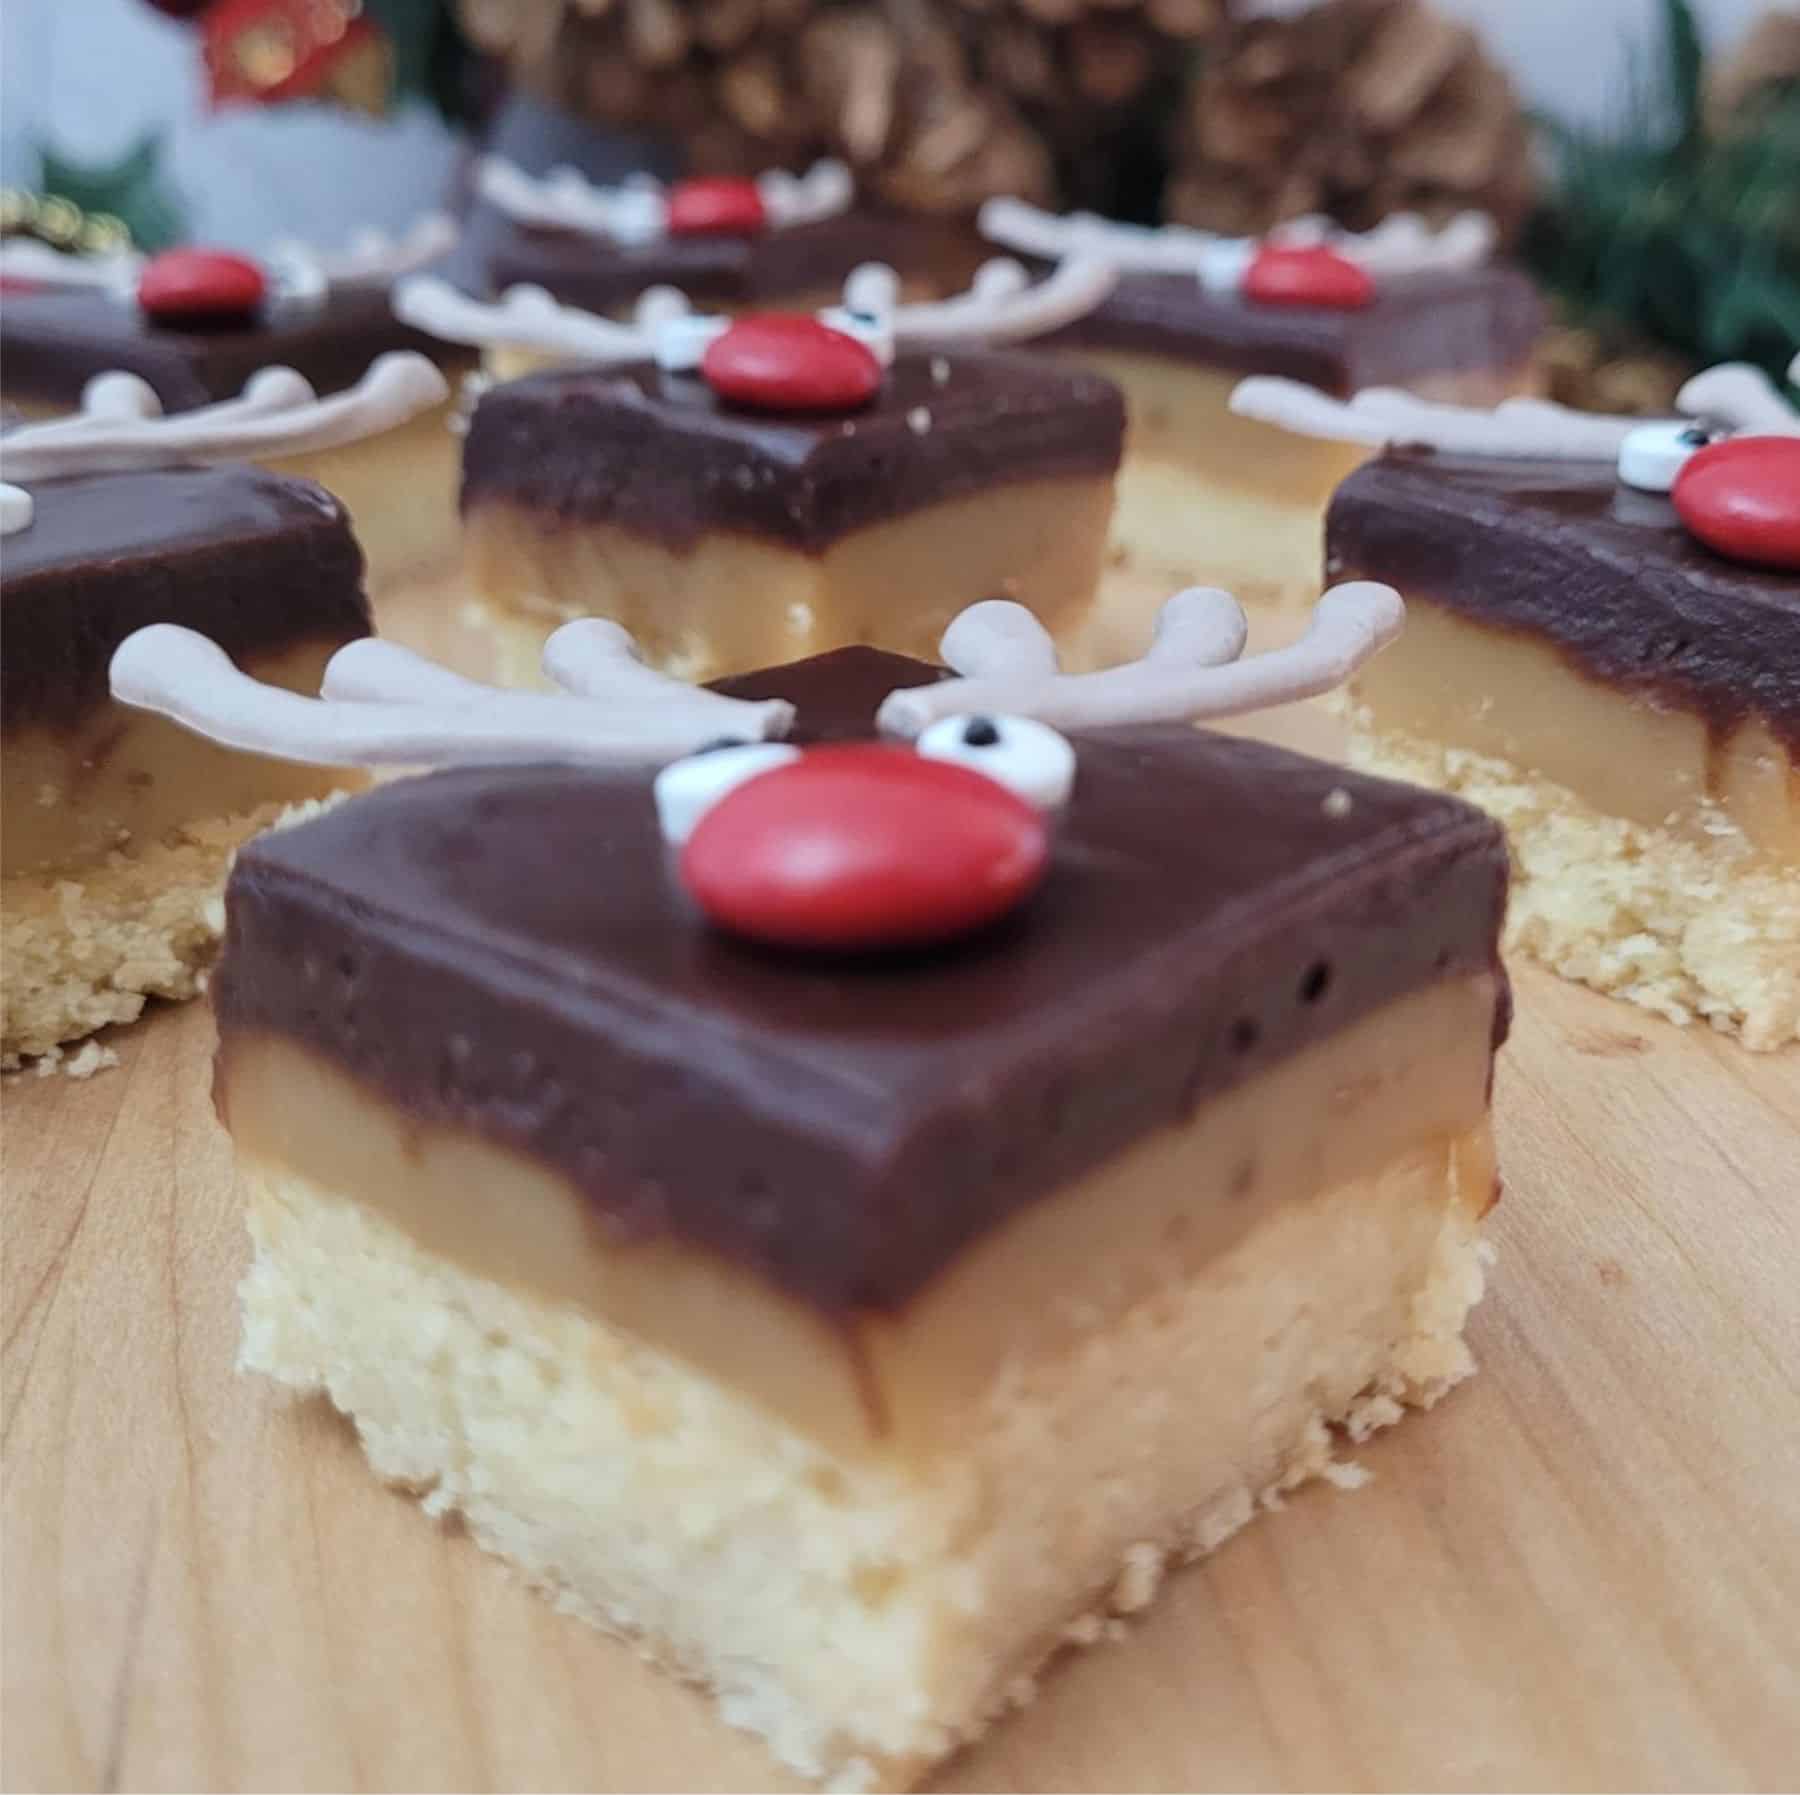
1581	1571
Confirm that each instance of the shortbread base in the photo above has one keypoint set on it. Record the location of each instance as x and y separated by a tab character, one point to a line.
867	1615
1685	925
90	946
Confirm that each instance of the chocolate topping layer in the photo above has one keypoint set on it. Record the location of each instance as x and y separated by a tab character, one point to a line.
252	559
53	343
1419	324
506	951
772	268
1563	550
662	455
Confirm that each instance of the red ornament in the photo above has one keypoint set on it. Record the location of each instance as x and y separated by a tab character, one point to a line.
1307	274
716	206
1742	498
269	51
183	285
864	846
782	361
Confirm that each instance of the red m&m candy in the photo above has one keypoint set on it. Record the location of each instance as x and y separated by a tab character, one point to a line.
864	846
781	361
200	284
716	206
1742	498
1307	274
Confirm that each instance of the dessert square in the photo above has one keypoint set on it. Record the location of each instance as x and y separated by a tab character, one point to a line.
725	538
116	828
399	487
729	244
854	1332
1210	498
1623	696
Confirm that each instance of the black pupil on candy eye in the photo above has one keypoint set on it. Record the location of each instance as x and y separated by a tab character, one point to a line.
980	732
866	318
1693	437
724	741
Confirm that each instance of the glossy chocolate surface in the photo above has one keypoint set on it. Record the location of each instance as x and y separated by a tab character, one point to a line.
54	342
661	455
1419	325
772	268
252	559
1563	551
506	951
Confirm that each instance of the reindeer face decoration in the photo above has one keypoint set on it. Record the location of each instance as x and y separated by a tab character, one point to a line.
1306	262
1730	467
643	210
942	827
773	361
197	288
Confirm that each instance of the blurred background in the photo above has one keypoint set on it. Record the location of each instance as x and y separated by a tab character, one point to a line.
1643	155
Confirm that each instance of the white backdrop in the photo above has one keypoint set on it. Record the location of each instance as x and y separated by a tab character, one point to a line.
91	74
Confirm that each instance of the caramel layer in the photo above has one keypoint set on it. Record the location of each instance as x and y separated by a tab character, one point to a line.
1499	692
1408	1079
116	778
734	602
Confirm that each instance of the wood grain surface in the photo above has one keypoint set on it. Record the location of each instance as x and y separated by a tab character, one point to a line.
1581	1571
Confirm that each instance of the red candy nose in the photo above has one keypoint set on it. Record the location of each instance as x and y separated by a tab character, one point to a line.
1307	274
1742	497
864	846
716	207
777	361
200	283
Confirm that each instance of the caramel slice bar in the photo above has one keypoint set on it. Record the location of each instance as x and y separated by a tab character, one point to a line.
1624	698
117	827
725	538
399	486
855	1332
1209	498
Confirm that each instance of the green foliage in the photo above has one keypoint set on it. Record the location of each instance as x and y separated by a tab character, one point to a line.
135	189
430	55
1663	231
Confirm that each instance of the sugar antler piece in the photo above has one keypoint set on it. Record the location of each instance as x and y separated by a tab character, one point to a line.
526	317
1384	417
121	426
1403	243
1190	674
1003	305
373	256
382	705
1743	398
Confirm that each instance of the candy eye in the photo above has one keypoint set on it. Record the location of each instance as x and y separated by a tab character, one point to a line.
873	331
1027	757
682	341
687	789
1653	454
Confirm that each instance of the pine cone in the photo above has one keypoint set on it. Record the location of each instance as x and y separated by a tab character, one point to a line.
744	85
1356	108
1097	79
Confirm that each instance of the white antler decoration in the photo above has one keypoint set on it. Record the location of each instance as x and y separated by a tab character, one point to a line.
1742	398
1190	674
1401	244
121	424
636	211
23	258
373	258
381	704
1002	305
528	318
1384	417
